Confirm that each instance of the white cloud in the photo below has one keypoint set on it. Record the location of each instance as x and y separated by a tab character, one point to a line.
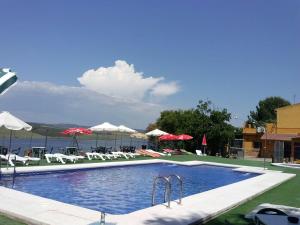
121	80
117	94
165	89
48	102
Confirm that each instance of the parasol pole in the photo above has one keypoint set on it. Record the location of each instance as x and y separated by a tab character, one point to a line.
46	138
76	141
9	147
121	141
105	136
115	141
30	143
130	141
97	136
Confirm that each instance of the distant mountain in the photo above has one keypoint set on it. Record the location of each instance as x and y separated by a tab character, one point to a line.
57	126
55	130
52	130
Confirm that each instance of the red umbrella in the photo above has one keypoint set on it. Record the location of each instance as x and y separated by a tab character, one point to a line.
76	131
204	140
184	137
168	137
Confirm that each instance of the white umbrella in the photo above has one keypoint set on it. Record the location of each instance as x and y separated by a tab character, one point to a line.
156	133
11	123
125	129
104	127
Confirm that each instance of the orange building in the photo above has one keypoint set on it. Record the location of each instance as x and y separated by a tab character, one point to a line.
286	130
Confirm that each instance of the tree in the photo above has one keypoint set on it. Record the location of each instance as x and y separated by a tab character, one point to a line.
220	133
151	126
265	110
197	122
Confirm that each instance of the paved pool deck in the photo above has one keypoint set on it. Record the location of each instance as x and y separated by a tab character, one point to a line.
287	165
195	208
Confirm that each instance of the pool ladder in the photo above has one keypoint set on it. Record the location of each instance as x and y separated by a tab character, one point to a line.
168	188
14	171
0	169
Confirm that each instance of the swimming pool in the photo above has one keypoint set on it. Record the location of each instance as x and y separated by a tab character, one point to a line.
123	189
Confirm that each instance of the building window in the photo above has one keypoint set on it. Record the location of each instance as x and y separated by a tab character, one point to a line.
256	144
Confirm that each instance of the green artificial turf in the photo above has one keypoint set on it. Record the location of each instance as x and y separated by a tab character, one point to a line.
8	221
287	193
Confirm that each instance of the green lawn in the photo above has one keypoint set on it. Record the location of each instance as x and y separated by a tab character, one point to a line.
8	221
287	193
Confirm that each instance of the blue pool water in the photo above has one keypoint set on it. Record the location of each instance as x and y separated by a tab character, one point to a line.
121	190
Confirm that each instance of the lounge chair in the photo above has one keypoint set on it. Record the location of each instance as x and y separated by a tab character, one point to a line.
132	154
152	151
4	158
12	159
58	157
146	153
120	154
269	214
49	157
95	155
127	154
199	153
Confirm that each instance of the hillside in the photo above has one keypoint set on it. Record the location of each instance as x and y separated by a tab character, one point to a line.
52	130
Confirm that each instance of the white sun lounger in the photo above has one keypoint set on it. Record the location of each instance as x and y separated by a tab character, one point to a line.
57	158
126	155
199	153
132	155
108	156
13	157
32	159
3	157
95	155
120	154
61	157
270	214
90	155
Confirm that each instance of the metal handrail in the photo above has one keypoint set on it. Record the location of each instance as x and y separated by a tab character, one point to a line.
0	168
15	172
168	188
167	196
181	186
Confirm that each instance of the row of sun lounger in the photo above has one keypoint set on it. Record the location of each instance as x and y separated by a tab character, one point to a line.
63	158
112	155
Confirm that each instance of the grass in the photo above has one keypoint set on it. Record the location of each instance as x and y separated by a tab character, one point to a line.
4	220
285	194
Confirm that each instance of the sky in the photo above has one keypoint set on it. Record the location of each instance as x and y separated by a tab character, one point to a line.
87	62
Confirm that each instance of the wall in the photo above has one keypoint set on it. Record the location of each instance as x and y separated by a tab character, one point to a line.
288	119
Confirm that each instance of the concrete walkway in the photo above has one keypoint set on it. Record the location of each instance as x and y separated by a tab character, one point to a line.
199	207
